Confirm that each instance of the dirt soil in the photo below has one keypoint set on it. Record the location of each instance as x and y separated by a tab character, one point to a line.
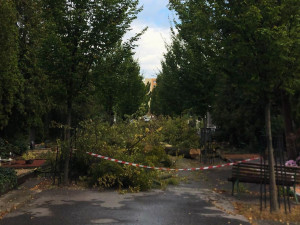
21	164
23	171
234	157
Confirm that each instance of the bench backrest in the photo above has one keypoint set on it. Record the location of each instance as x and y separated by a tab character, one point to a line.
256	173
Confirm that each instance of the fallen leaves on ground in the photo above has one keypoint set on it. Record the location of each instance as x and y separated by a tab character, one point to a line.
252	213
23	171
45	184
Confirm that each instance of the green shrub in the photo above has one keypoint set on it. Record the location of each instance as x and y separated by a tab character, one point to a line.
132	141
28	155
104	169
18	147
5	148
137	142
8	179
177	132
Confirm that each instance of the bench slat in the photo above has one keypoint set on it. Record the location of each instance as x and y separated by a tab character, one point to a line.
254	173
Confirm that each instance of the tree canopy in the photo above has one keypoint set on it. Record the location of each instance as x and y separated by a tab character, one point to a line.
61	60
234	57
11	81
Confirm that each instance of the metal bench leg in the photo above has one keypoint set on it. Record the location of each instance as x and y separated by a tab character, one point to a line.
236	183
295	194
238	189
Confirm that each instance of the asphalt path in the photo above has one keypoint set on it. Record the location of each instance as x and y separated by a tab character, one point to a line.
185	204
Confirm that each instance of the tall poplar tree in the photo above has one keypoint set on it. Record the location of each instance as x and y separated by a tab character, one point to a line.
185	82
31	26
119	86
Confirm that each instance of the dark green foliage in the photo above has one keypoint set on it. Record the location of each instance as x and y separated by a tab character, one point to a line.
255	56
178	133
105	168
237	119
81	37
185	83
5	148
296	106
81	33
8	179
17	147
251	48
27	119
119	87
10	79
31	26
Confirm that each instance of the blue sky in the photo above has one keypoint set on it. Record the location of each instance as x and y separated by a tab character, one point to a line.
155	12
152	44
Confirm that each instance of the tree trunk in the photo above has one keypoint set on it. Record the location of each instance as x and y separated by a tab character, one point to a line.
68	139
174	151
110	113
273	188
288	127
32	138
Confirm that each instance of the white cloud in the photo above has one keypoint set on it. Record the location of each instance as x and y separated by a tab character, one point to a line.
151	47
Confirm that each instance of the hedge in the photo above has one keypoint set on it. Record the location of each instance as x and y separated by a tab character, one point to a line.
8	179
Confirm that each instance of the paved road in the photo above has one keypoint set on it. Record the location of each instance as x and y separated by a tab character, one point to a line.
179	205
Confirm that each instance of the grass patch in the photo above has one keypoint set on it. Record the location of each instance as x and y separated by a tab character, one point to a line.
172	181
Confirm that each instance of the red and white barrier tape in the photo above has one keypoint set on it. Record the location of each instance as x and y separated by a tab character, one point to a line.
168	169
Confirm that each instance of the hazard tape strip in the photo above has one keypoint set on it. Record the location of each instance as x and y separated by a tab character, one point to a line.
168	169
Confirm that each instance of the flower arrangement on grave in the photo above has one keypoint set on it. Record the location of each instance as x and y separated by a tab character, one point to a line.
28	157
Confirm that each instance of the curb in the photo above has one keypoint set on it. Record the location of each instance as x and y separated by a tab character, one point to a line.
22	178
16	198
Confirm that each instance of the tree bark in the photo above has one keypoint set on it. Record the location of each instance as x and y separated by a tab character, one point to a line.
110	111
68	139
174	151
273	188
32	138
288	127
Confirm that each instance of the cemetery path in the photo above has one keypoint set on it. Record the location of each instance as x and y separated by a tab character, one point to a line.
191	202
182	204
201	198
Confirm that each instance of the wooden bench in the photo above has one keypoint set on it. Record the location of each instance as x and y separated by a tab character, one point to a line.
259	174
